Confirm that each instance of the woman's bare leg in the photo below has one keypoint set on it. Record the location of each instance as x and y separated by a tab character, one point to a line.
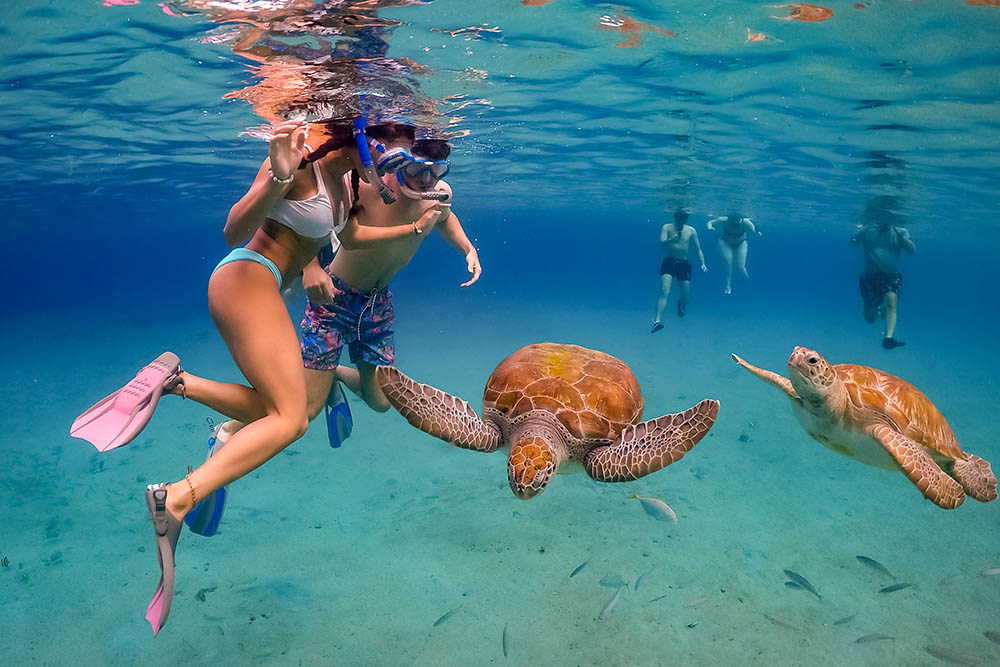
727	254
249	313
236	401
740	259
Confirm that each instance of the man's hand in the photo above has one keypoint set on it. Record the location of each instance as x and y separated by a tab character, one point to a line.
475	269
318	285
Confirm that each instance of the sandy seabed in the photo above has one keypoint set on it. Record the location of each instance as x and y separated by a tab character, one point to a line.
351	556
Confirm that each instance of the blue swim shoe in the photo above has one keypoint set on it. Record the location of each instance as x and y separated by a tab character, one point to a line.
205	517
339	422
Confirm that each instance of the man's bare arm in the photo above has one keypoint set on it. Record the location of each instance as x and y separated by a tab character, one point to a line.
665	234
697	246
905	242
453	232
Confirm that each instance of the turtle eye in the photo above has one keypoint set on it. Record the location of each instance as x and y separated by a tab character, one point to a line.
812	360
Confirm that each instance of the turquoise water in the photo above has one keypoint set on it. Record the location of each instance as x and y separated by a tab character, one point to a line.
123	157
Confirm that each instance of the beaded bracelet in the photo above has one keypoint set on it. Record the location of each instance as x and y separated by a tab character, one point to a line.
282	181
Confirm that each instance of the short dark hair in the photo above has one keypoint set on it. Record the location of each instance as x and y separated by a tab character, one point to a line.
680	215
391	132
432	149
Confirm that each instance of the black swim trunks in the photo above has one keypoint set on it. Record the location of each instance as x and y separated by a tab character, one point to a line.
678	268
875	285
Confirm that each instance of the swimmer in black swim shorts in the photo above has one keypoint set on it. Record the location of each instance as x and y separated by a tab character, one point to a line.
881	281
676	239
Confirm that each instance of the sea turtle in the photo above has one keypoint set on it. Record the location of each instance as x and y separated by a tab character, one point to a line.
554	403
881	420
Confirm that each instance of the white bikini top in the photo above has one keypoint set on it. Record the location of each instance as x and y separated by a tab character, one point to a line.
314	218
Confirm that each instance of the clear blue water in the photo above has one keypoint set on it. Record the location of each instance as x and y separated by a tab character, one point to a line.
122	157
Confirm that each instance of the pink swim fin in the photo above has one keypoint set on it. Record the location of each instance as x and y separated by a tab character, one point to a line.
168	529
118	418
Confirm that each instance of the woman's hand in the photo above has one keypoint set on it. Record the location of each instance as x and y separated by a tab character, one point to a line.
285	149
430	217
317	284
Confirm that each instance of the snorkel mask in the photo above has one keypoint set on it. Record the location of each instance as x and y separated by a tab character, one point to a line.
371	173
415	168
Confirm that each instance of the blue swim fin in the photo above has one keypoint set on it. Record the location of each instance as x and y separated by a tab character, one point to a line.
339	422
205	517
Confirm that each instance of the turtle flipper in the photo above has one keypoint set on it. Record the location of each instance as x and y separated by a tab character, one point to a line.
437	413
770	377
920	468
976	477
646	447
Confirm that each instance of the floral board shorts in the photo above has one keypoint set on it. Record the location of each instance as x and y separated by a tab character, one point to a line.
360	320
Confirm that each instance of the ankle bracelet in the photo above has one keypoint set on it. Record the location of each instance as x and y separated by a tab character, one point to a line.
194	498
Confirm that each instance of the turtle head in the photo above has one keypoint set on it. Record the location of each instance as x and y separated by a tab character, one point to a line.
531	464
810	374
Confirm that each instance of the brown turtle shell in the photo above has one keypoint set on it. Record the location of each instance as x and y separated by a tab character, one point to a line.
908	408
593	394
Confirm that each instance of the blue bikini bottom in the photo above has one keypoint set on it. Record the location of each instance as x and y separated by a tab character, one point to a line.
246	255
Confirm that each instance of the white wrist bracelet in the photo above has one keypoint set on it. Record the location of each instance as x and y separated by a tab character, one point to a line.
282	181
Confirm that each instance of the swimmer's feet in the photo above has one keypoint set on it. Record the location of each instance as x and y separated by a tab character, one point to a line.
657	326
681	309
889	343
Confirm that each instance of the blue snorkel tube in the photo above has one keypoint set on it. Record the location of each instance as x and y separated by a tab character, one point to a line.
361	141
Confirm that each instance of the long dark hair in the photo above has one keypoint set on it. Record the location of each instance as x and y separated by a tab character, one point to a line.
341	134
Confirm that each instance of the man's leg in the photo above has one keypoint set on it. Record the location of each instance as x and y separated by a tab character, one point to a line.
889	313
685	286
727	255
666	280
318	384
871	311
370	392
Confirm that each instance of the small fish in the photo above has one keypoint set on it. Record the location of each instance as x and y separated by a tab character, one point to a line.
445	617
610	606
642	578
950	578
782	622
992	635
696	602
875	565
949	656
505	640
657	599
5	562
992	572
578	568
874	637
611	581
846	619
895	587
803	582
657	509
200	595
